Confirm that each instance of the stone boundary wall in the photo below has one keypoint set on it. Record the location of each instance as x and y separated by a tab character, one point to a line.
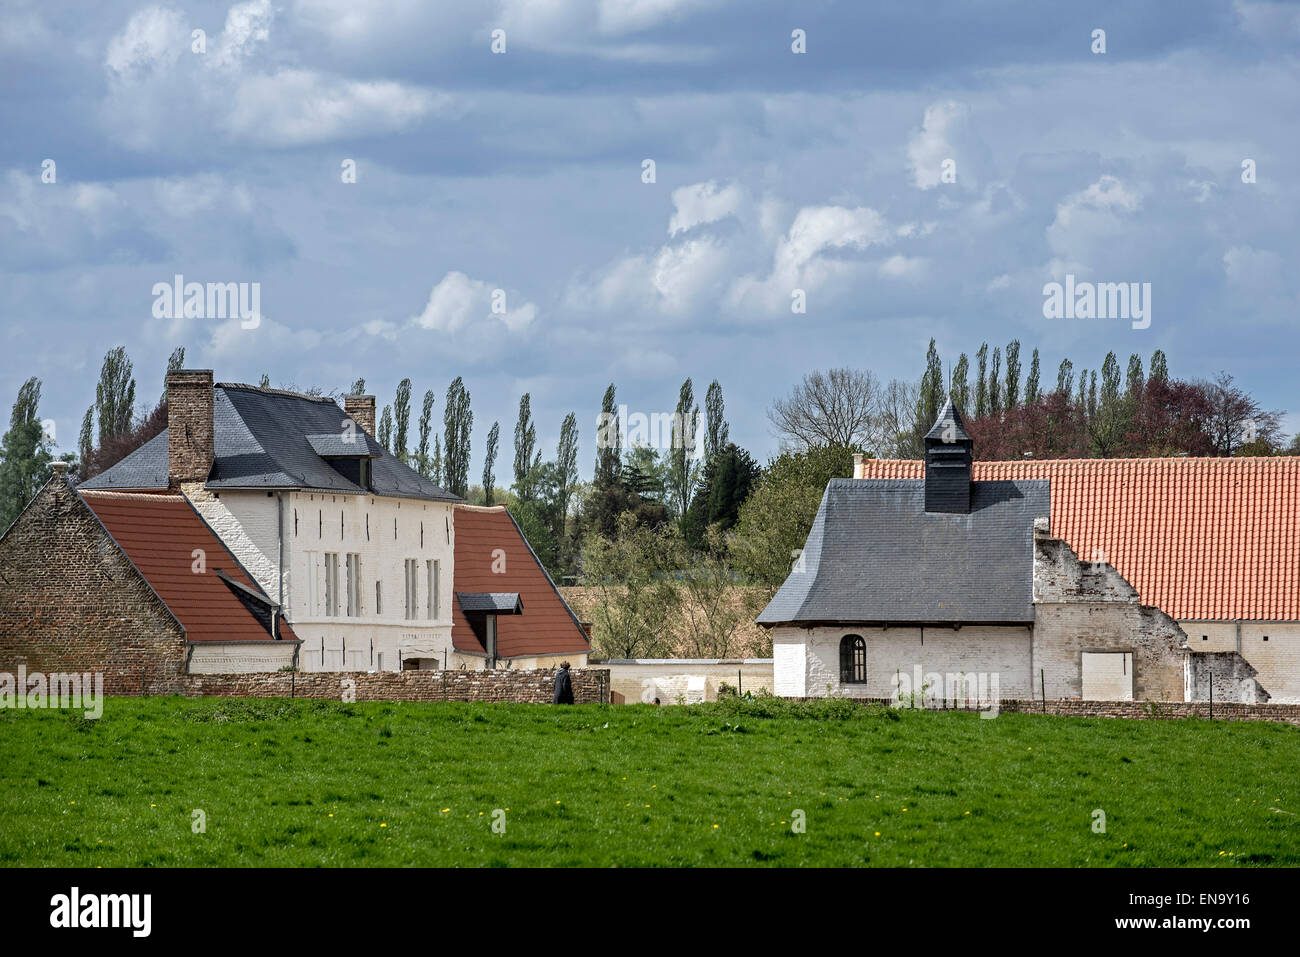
1075	708
590	685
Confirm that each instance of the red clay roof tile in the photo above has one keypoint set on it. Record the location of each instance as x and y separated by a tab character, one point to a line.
547	625
159	533
1198	538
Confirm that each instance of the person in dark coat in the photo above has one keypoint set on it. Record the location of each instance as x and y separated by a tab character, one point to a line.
563	685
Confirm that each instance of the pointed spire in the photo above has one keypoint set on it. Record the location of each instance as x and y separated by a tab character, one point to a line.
948	427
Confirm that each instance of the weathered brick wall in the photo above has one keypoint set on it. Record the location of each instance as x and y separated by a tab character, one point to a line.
1231	676
1087	606
70	600
1073	708
590	685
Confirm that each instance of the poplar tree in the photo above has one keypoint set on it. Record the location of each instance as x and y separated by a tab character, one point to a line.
490	460
402	419
458	421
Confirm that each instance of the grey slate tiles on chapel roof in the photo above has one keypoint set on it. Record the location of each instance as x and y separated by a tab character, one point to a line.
876	556
262	440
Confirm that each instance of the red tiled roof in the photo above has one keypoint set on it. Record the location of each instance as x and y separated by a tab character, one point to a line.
547	625
159	533
1197	537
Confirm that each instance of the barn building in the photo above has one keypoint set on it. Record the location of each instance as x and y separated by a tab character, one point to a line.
1096	579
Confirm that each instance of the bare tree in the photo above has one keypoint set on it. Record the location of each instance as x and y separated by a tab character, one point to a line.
898	435
1235	419
839	407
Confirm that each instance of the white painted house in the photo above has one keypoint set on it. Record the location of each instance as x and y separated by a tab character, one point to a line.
356	548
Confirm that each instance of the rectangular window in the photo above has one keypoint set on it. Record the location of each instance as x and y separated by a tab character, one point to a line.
331	584
431	602
379	598
313	584
412	587
354	584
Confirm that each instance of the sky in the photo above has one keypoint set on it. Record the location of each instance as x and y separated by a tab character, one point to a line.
918	171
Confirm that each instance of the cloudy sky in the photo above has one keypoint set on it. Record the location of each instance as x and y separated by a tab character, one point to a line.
522	172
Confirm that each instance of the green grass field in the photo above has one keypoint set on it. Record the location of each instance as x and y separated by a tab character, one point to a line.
299	783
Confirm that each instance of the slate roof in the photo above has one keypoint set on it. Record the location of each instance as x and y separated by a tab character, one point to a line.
1214	539
940	429
875	556
497	603
263	440
547	625
159	533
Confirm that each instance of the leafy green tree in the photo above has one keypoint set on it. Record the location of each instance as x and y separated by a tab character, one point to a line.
1011	388
1065	377
995	384
645	473
385	435
86	439
1033	391
1134	381
776	518
525	444
716	429
458	420
1159	366
423	463
634	598
714	612
961	384
932	392
25	465
728	480
566	465
358	387
490	461
683	467
981	383
114	396
176	362
402	419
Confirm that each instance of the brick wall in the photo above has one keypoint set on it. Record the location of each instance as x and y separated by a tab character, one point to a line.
1073	708
1087	606
71	601
590	685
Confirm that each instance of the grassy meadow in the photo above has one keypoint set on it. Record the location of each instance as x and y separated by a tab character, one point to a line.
767	782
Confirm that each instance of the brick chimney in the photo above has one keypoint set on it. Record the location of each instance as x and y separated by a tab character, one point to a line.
361	410
190	447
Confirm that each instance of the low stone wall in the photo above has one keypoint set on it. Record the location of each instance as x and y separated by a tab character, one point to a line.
590	685
683	680
1075	708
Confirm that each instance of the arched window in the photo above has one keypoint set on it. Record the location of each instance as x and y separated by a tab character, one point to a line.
853	660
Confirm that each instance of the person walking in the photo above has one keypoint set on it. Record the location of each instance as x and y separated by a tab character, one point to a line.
563	685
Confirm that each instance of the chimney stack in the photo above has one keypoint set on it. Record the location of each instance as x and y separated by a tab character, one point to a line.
361	410
190	442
